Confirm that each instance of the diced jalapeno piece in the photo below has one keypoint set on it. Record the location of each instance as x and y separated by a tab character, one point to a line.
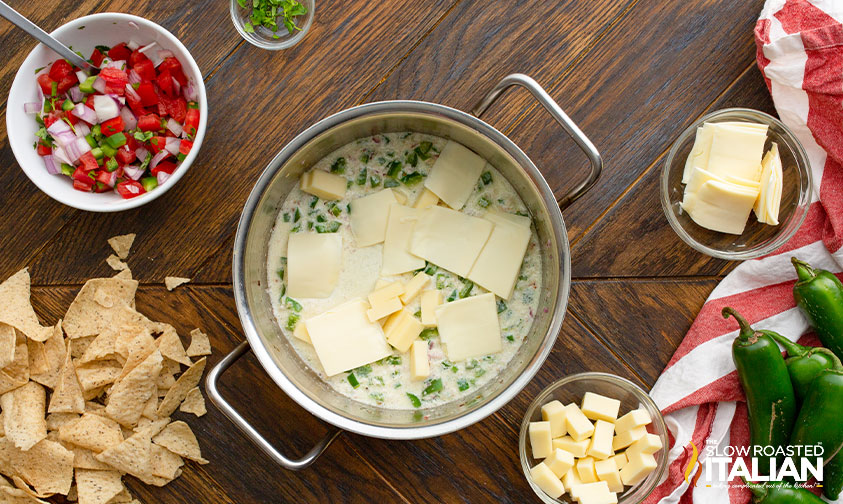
434	387
414	400
486	177
149	183
338	166
116	140
97	153
353	380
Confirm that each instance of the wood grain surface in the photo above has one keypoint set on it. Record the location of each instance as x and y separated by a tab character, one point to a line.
633	74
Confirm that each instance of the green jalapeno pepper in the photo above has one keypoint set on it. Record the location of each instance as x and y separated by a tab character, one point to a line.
819	294
805	363
833	477
819	423
781	493
770	401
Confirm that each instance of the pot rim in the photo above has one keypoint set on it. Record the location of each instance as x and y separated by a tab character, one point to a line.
408	432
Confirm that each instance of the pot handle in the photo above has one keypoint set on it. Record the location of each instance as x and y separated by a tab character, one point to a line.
211	385
561	117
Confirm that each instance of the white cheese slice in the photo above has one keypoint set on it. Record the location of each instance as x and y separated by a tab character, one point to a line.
369	215
469	327
454	174
497	216
385	293
397	258
344	338
698	157
313	264
301	332
430	300
419	363
498	264
414	286
384	308
449	239
324	185
736	151
722	207
426	199
770	197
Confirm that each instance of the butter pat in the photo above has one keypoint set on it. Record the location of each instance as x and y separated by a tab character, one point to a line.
627	437
560	462
384	308
411	290
770	196
469	327
313	264
585	470
402	330
454	174
598	407
601	441
449	239
419	363
635	418
430	300
540	440
554	412
579	427
344	338
640	465
547	481
567	443
397	258
498	264
323	184
426	199
369	216
608	471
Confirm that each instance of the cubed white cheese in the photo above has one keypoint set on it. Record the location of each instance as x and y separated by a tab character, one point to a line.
397	258
585	470
567	443
430	300
648	444
559	461
469	327
544	478
598	407
426	199
384	308
620	460
571	478
579	427
627	437
540	440
313	264
402	330
449	239
496	268
554	412
601	441
593	493
419	362
369	215
608	471
414	286
640	465
324	185
635	418
454	174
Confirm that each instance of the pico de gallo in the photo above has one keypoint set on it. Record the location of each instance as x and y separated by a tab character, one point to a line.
125	129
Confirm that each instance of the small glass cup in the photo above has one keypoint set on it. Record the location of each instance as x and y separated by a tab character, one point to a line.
758	239
571	390
267	39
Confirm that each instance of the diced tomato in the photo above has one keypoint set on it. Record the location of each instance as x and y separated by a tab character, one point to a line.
96	57
130	189
165	83
175	108
136	58
60	69
191	122
173	67
115	80
52	117
125	155
89	162
112	126
89	102
107	178
99	187
120	52
71	118
149	122
185	146
82	185
164	166
136	105
43	150
147	93
66	83
131	143
46	84
157	144
145	69
81	174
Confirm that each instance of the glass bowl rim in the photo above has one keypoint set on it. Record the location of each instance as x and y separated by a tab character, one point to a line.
281	43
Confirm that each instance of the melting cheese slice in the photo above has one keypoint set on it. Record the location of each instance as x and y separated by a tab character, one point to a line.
498	264
313	264
369	216
720	206
698	156
770	197
454	174
397	258
426	199
449	239
469	327
344	338
324	185
736	151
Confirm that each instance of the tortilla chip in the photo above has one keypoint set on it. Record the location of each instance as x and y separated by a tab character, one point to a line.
16	310
54	349
37	351
16	374
126	274
47	466
7	345
94	407
130	395
199	344
194	403
152	427
67	396
84	458
98	487
23	485
179	439
94	432
188	380
116	264
121	498
173	282
90	395
150	410
23	415
12	495
95	375
122	244
171	367
132	456
171	346
78	346
56	420
164	463
164	383
102	347
139	349
98	304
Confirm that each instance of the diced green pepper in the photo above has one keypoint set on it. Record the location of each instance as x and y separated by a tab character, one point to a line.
394	360
67	169
452	296
484	202
412	179
292	320
428	333
338	166
412	159
353	380
433	387
430	269
390	183
394	168
321	218
414	400
107	150
423	150
67	105
111	165
510	337
116	140
97	153
362	176
375	180
462	384
466	289
364	370
149	183
90	139
88	85
486	177
330	227
297	215
293	304
501	306
314	201
364	158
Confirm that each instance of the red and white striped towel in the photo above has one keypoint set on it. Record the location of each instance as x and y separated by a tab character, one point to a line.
800	53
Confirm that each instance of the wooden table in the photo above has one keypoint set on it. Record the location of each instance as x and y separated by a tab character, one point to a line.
631	73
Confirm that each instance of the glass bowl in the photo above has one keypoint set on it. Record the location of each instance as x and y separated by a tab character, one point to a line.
571	389
757	239
263	37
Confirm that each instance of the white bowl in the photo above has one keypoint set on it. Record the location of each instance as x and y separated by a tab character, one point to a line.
83	34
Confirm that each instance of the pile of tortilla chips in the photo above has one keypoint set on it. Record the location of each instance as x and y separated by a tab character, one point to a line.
82	410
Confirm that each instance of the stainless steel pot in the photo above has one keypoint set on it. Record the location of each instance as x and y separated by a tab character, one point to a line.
274	351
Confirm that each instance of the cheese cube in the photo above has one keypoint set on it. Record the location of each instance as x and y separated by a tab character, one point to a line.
469	327
620	460
598	407
559	462
540	440
649	444
313	264
397	258
635	418
601	441
627	437
301	332
607	471
639	467
554	412
579	427
385	293
381	310
369	216
419	363
430	300
585	470
567	443
593	493
324	185
414	286
547	481
454	174
571	479
499	263
344	338
426	199
449	239
403	330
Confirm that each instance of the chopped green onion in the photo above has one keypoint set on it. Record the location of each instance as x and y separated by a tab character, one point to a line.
440	281
466	289
54	88
414	400
292	320
462	384
331	227
281	274
146	161
353	380
486	177
149	183
335	210
394	360
430	269
428	333
364	370
292	303
435	386
377	396
338	166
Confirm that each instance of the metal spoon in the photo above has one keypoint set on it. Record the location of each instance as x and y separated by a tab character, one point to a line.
43	37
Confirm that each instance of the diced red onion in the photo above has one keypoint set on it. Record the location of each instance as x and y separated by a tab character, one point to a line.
132	44
162	177
32	107
141	153
158	158
58	127
129	119
61	156
52	166
61	133
76	94
175	127
119	64
119	100
176	85
173	145
152	55
72	152
133	172
99	85
85	113
166	53
130	91
81	75
134	78
190	92
105	107
82	129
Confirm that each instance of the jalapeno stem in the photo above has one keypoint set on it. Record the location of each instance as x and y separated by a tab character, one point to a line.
804	271
792	349
747	332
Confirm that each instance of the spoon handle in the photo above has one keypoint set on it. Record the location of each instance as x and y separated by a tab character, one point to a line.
32	29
